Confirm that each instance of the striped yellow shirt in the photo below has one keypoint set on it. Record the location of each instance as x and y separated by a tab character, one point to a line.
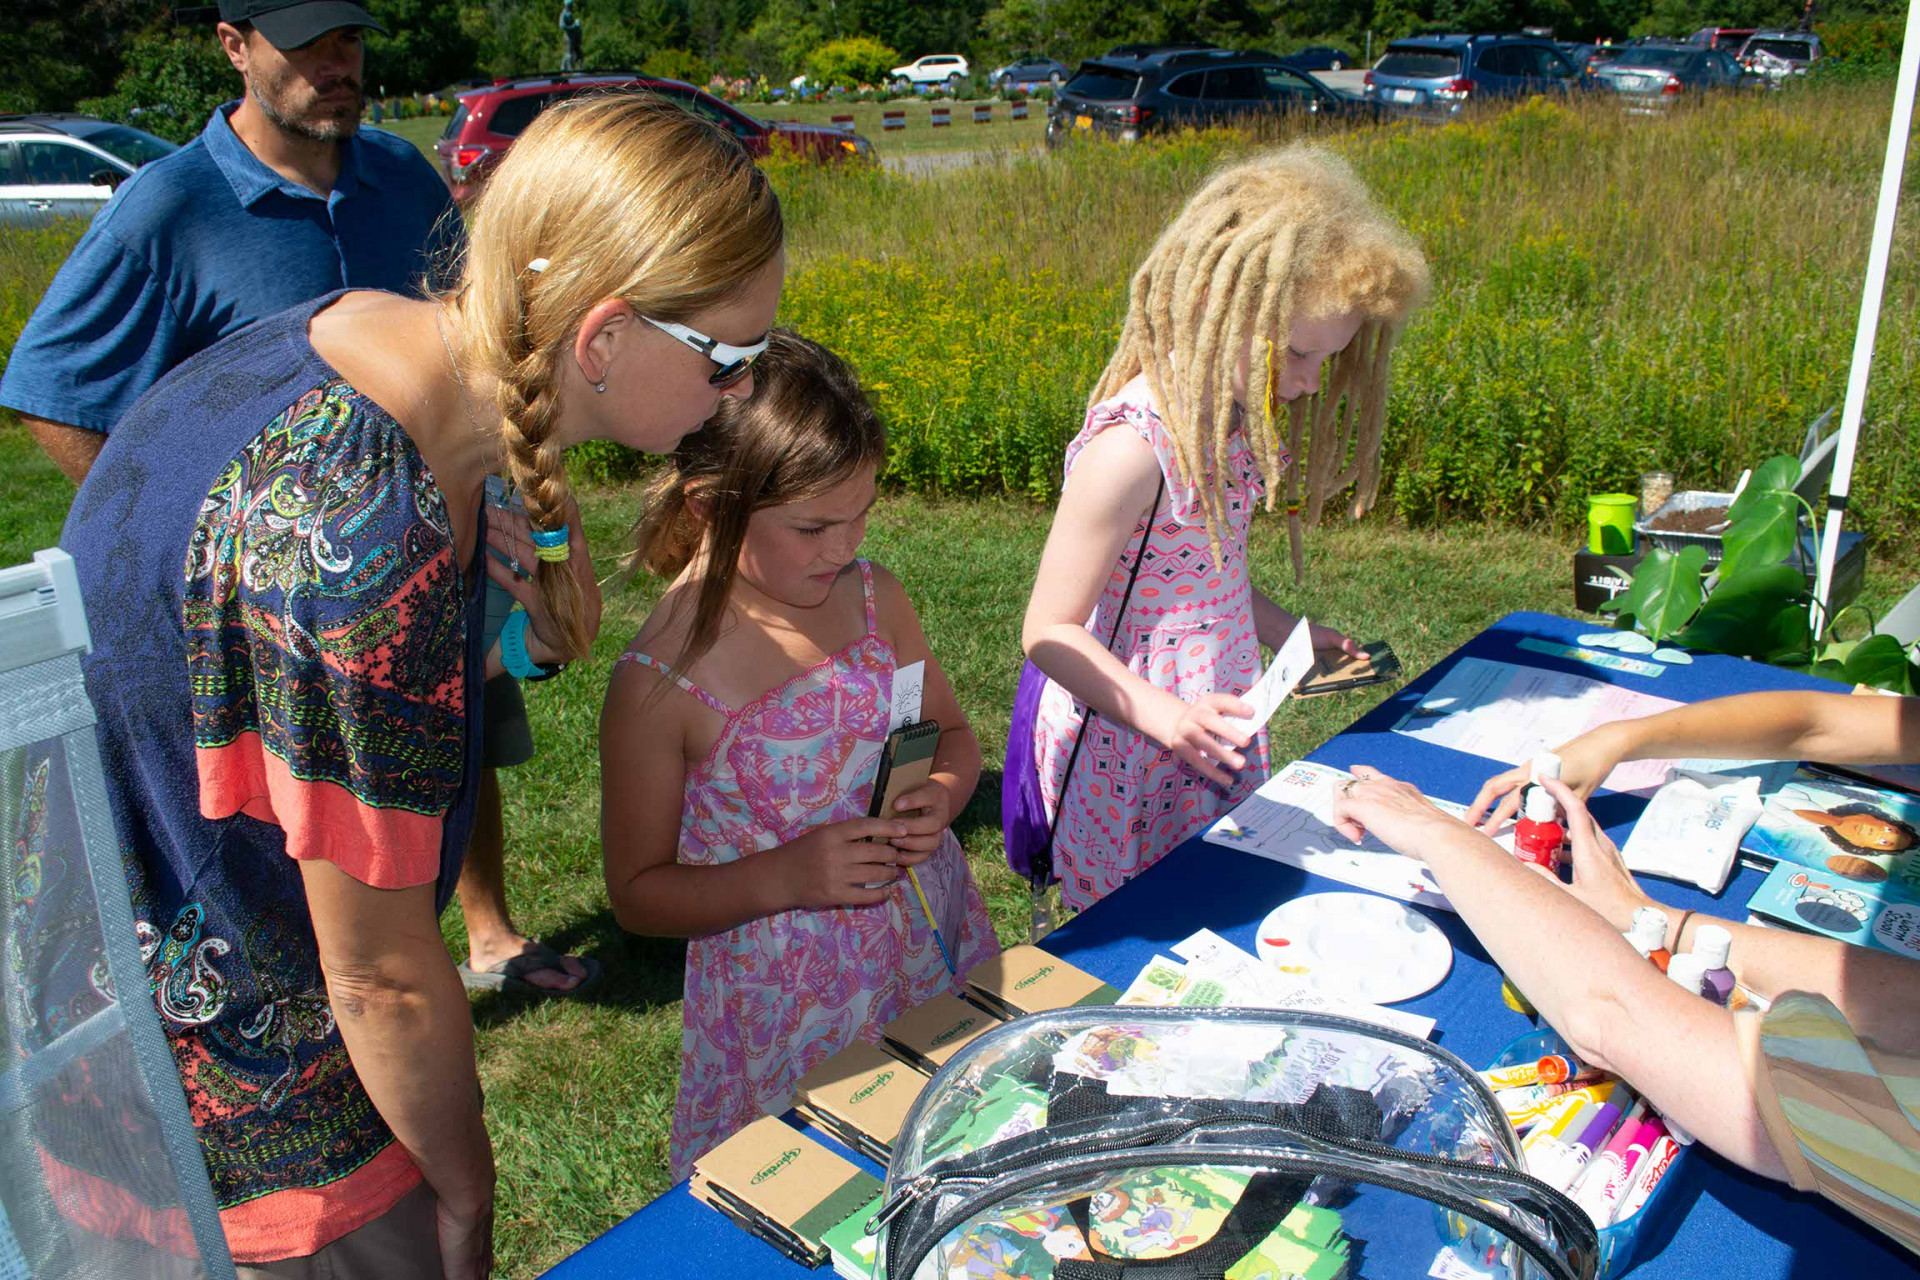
1843	1114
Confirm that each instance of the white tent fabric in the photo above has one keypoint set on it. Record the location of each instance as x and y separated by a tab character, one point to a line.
100	1172
1883	219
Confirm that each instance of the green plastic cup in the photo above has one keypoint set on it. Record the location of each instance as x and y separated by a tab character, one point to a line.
1610	523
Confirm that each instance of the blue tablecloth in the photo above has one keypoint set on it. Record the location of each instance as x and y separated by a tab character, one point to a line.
1729	1222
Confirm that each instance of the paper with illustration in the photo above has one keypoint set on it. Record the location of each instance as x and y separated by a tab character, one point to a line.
1290	664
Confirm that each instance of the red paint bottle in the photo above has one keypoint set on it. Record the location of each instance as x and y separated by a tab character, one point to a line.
1538	837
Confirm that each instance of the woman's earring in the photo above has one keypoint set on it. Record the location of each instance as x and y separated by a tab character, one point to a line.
601	386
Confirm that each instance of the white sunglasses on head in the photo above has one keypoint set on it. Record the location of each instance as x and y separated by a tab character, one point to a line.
734	362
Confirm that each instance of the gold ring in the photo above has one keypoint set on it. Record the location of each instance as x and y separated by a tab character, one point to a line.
1346	788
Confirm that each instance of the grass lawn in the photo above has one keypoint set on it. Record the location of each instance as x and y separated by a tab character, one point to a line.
579	1092
420	131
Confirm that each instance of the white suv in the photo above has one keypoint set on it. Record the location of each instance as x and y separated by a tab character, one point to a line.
66	166
934	69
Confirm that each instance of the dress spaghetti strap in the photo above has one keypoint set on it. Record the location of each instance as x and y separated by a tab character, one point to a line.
866	585
648	660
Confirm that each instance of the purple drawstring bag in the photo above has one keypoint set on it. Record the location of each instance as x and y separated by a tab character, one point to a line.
1023	813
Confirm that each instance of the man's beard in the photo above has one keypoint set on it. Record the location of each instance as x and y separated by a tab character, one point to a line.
272	99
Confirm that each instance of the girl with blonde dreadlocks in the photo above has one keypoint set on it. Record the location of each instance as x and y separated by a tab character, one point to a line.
1143	610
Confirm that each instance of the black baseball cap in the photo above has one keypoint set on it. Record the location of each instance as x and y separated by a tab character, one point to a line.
289	24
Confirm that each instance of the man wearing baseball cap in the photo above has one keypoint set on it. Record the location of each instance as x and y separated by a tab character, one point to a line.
281	199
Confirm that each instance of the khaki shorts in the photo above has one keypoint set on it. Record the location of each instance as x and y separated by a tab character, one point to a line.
400	1244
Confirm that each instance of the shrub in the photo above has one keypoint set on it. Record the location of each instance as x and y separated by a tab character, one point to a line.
677	64
170	86
858	60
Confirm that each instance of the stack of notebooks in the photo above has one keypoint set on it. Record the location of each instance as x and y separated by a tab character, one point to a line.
927	1035
861	1096
781	1186
1025	979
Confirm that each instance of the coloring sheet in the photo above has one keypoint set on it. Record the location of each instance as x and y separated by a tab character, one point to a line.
1290	819
1511	714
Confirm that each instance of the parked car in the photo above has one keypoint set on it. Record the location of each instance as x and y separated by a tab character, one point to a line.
486	121
62	165
934	69
1320	57
1652	78
1129	97
1151	50
1589	58
1777	55
1432	77
1725	39
1029	73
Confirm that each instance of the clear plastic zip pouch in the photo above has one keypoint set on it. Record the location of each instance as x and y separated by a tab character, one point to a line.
1112	1143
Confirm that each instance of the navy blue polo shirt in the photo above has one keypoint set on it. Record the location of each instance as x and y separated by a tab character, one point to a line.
206	241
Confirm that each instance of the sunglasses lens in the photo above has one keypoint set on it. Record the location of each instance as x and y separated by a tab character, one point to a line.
729	374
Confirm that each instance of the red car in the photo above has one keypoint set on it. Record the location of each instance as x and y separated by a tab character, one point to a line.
486	121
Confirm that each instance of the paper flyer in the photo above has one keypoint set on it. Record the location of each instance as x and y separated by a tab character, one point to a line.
1511	714
1290	664
1290	819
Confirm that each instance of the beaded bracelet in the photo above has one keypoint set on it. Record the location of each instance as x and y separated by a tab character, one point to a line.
551	544
513	649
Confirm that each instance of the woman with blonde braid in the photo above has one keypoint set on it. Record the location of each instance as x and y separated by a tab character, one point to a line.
285	546
1143	611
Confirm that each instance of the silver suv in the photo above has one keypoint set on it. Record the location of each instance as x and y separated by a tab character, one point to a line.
66	166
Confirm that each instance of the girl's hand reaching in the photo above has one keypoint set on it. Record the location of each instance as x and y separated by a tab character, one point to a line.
1584	764
1201	736
927	811
841	864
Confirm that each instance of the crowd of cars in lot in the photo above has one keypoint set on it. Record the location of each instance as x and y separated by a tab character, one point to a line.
63	165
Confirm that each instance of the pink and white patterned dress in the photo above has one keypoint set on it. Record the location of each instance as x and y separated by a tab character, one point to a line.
1188	629
769	1000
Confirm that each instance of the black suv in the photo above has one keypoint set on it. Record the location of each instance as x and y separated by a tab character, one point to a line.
1129	95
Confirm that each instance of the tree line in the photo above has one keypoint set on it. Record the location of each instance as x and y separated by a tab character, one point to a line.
56	53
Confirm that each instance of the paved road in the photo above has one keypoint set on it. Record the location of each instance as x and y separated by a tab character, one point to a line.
922	164
1349	82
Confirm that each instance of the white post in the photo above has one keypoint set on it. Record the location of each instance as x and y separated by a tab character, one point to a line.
1890	175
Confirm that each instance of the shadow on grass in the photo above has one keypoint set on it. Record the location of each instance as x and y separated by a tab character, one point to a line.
637	974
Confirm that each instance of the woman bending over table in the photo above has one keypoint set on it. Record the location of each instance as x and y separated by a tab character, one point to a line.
1822	1090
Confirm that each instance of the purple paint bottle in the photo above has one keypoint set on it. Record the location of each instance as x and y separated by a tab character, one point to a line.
1713	945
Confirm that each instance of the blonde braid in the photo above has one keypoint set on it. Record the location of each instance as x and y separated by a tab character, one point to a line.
527	399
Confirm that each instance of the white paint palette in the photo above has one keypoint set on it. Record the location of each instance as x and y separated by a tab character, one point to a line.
1358	946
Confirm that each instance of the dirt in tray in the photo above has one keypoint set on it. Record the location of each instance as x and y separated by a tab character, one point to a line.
1689	521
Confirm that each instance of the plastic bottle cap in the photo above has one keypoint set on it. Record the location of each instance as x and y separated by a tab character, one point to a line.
1546	765
1713	945
1649	932
1688	970
1541	806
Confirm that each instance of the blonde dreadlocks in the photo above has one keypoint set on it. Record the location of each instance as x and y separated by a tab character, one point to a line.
1289	233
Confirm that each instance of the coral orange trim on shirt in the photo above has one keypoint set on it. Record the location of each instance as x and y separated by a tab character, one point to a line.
384	848
304	1220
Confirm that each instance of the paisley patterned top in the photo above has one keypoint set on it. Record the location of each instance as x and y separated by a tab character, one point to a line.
285	667
768	1001
1188	629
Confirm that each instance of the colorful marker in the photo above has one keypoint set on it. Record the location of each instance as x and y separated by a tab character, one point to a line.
1608	1169
1531	1114
1581	1149
1546	1146
1654	1167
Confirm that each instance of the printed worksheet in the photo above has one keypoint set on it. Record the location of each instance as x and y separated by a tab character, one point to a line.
1290	819
1512	713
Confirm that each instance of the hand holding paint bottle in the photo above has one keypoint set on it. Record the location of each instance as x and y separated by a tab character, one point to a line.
1540	837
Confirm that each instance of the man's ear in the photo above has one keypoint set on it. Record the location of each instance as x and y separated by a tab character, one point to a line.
233	43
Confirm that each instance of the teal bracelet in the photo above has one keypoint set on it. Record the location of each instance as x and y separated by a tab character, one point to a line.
513	649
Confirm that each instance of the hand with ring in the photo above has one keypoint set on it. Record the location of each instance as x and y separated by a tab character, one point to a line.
1393	812
508	534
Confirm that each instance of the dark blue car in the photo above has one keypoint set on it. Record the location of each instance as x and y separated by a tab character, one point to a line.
1433	77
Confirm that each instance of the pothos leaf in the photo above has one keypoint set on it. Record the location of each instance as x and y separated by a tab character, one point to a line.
1742	614
1666	590
1882	662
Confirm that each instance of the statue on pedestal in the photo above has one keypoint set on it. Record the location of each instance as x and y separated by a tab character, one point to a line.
569	28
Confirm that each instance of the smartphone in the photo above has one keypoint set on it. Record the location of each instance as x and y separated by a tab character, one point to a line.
1337	672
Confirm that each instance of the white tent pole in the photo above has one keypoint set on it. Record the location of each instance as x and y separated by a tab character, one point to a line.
1890	175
